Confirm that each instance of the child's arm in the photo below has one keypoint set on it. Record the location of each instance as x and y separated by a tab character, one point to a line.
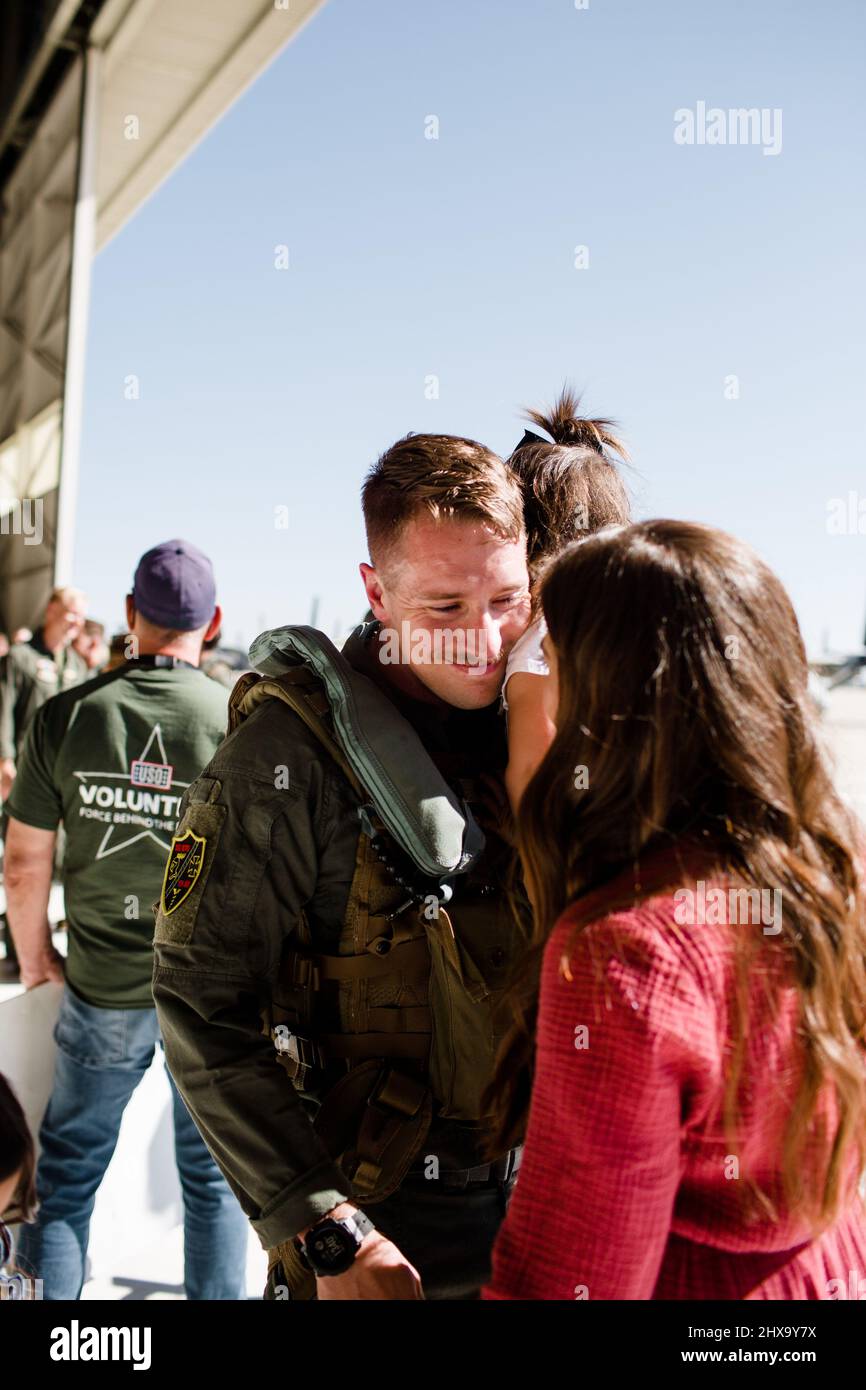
530	731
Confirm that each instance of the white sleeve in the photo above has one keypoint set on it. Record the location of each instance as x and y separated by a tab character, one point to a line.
526	655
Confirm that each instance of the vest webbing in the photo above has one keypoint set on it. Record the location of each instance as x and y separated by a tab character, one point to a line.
392	1109
358	1026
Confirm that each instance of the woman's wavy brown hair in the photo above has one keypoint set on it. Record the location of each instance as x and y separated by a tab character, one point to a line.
683	689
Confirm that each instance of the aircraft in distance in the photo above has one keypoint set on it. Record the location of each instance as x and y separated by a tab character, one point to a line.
840	668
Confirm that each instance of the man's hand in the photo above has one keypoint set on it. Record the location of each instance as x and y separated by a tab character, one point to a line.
7	776
46	968
379	1271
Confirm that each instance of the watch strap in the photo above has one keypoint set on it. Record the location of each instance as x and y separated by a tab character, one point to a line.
361	1224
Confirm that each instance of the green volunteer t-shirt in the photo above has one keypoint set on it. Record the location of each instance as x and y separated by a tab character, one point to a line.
112	759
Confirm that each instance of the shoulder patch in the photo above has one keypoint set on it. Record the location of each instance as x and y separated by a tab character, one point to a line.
185	863
192	852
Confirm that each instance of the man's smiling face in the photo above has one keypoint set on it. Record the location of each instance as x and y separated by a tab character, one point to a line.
455	596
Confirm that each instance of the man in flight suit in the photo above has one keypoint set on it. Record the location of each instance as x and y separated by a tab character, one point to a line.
281	862
35	670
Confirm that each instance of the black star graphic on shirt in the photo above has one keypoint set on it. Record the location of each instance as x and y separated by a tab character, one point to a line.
109	844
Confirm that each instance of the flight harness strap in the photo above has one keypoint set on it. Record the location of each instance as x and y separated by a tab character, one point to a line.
375	1117
395	1114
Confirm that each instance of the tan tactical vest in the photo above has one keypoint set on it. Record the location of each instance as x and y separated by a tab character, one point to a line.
406	1017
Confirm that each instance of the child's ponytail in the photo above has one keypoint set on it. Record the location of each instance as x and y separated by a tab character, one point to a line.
571	483
565	425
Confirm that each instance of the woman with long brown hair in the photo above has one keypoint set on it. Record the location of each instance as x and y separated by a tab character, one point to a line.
692	1012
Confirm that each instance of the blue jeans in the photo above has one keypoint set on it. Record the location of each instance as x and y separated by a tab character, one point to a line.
102	1055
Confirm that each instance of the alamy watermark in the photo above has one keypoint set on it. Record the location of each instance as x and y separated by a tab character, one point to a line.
20	1288
720	907
739	125
854	1288
846	516
77	1343
22	516
443	646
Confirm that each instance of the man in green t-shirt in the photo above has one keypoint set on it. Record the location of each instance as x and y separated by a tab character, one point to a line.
110	760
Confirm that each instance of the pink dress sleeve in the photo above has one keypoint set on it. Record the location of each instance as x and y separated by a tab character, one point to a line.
619	1049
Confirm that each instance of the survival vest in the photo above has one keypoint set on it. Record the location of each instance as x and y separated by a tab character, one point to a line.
404	1019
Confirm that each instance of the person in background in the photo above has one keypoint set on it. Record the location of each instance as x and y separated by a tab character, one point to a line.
214	665
92	646
4	645
22	634
34	670
111	759
118	649
697	1120
571	488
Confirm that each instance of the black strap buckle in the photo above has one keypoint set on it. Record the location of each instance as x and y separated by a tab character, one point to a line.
303	1054
501	1171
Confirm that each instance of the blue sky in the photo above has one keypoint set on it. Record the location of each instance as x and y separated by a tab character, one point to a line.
409	257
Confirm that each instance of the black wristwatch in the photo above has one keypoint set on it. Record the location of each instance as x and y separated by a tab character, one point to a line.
331	1245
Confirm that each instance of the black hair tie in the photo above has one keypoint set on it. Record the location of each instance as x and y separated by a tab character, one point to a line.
529	438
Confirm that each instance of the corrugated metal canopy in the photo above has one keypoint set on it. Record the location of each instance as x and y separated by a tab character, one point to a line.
167	71
175	66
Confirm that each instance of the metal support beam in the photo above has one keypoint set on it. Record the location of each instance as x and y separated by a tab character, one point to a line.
83	248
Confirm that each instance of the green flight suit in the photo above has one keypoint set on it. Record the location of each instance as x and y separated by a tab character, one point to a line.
280	829
29	675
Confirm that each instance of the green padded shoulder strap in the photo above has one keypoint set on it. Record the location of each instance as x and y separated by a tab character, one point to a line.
380	752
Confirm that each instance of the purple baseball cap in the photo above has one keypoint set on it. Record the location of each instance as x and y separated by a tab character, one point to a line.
174	586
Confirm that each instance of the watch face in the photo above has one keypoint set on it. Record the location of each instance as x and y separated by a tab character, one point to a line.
331	1248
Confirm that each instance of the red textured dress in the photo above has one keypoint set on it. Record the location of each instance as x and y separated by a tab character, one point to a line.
628	1187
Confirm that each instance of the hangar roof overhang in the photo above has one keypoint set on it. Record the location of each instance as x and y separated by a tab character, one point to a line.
174	65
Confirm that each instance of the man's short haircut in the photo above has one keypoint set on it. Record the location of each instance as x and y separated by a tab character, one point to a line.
65	593
443	476
164	635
